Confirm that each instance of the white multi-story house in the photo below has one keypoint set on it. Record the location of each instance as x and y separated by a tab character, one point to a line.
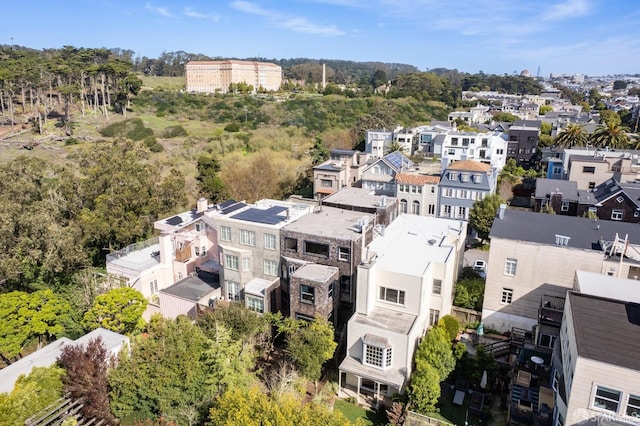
405	284
377	141
431	139
487	148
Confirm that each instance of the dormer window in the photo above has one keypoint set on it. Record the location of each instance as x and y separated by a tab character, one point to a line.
477	178
377	351
464	177
562	240
453	175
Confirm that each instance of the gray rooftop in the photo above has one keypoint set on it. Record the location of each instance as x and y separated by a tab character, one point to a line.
546	187
329	222
315	272
606	330
542	228
192	288
357	197
601	285
138	260
386	319
257	286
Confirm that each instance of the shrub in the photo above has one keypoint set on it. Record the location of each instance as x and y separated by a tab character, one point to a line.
156	148
232	127
451	325
133	129
150	141
173	132
71	141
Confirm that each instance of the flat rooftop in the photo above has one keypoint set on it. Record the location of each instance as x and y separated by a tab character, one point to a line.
139	260
315	272
601	285
329	222
410	243
257	286
387	320
357	197
192	288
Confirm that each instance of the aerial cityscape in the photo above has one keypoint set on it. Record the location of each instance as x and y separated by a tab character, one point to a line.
320	212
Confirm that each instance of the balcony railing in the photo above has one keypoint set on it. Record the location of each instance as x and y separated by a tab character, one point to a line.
183	254
551	310
131	248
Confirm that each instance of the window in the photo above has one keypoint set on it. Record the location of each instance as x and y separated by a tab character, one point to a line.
592	185
454	141
620	199
547	340
317	249
462	213
434	316
291	244
269	242
200	227
331	290
437	287
225	233
231	262
248	238
415	207
376	356
326	183
463	194
197	249
153	286
433	189
607	399
464	177
465	141
392	295
432	209
345	286
246	264
403	206
499	151
448	192
452	152
616	214
588	169
304	317
271	268
453	175
565	206
233	290
255	304
447	211
633	406
344	253
477	178
507	296
307	294
510	266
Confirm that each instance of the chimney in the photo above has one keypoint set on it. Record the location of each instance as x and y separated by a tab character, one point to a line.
201	205
501	210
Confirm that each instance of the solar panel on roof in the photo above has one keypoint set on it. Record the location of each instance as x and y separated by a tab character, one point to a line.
226	204
269	216
232	208
173	221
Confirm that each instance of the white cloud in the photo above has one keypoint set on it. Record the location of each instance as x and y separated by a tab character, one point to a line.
159	10
280	20
189	12
567	10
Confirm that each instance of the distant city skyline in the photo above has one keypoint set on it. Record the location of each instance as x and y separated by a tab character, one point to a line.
590	37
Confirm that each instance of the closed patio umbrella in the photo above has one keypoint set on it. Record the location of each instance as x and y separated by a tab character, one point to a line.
483	381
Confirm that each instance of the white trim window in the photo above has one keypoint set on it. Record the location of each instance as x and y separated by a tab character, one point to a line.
617	214
437	287
565	206
269	242
233	290
633	406
254	303
225	233
377	351
510	266
415	207
606	399
247	238
231	261
344	254
307	294
271	268
246	264
507	296
403	206
392	295
153	286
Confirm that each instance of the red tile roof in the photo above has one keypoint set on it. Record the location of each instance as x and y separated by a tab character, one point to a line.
469	165
411	179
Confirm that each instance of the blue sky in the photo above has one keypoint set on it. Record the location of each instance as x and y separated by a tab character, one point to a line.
592	37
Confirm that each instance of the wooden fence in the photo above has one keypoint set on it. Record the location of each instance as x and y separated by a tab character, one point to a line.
466	316
416	419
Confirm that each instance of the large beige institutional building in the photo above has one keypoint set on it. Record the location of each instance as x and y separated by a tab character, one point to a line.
216	76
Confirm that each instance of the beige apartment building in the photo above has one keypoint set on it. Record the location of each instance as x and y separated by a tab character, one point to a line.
216	76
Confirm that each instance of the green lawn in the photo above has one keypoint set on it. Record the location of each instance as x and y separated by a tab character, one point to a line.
353	412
